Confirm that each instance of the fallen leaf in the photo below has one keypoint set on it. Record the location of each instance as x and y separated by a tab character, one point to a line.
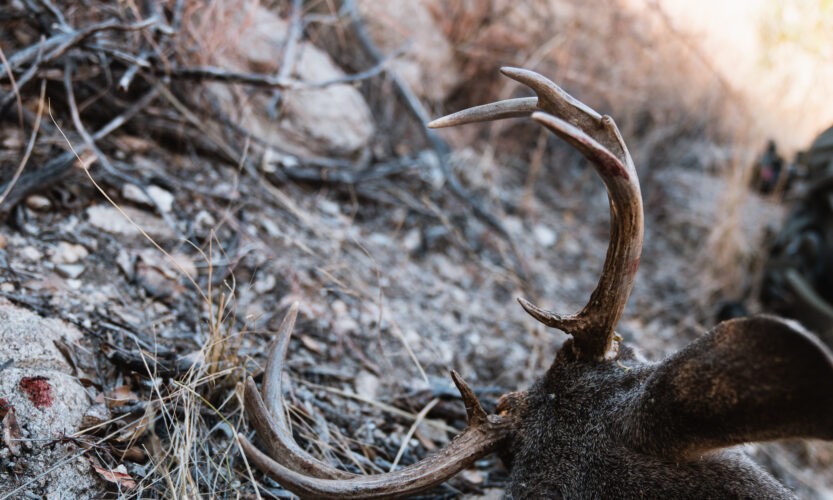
311	344
117	476
4	407
11	432
135	429
133	454
119	396
95	415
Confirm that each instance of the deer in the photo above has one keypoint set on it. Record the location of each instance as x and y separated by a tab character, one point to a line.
602	422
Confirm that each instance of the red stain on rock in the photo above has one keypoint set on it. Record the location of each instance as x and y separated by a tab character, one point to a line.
38	390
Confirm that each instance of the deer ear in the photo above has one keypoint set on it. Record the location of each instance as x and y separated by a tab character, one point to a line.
753	379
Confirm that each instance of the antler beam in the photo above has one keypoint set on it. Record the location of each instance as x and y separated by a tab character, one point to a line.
599	140
298	471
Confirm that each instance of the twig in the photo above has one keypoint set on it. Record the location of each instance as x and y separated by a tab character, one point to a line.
59	44
102	158
290	47
419	418
277	82
56	169
24	79
29	147
15	89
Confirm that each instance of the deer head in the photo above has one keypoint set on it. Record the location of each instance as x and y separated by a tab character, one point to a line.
602	422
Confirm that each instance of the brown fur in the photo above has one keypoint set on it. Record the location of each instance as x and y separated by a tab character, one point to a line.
627	428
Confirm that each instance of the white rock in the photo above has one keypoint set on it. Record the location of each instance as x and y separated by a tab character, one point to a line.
331	119
380	239
38	202
158	197
329	207
107	218
413	240
271	228
428	64
56	406
367	385
204	220
545	236
70	270
30	253
264	283
67	253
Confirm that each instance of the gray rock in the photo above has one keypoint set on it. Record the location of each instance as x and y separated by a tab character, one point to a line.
48	400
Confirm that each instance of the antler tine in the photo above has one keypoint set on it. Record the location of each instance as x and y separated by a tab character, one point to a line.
510	108
268	417
599	140
301	473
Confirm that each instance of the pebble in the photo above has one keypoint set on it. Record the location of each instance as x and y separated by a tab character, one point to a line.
158	196
71	271
109	219
545	236
30	253
367	385
413	240
67	253
329	207
265	283
38	202
204	220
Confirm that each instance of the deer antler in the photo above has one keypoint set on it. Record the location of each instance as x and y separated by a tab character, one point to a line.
302	474
599	140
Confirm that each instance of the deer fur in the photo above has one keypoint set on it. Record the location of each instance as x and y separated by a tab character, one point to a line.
627	428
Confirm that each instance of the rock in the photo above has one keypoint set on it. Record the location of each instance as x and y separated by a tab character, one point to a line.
435	433
162	276
545	236
67	253
30	254
332	119
380	239
158	197
47	399
488	494
12	138
428	63
472	476
204	220
71	271
330	208
264	283
109	219
38	202
367	385
413	240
